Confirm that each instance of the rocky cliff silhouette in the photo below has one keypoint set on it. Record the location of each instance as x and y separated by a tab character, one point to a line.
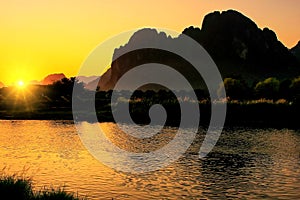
296	51
235	43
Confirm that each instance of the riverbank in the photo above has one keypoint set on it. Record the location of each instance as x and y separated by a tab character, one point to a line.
258	115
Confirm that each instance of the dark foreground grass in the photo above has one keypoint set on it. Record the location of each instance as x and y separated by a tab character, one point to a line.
18	188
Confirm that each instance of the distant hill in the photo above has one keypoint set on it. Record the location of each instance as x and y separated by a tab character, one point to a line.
51	78
235	43
35	82
92	85
86	79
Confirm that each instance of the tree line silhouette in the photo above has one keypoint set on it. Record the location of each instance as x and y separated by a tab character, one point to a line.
270	89
269	101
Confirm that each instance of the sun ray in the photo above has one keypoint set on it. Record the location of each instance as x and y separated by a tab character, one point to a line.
21	84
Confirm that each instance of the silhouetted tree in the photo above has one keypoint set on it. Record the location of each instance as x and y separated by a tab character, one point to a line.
268	88
202	94
295	90
284	89
61	91
235	88
65	85
137	94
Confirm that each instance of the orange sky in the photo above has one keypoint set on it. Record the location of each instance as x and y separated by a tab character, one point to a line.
40	37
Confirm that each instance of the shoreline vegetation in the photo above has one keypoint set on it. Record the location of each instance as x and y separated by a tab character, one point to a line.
262	115
14	187
269	103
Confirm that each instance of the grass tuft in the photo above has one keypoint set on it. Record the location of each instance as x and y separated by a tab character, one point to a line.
20	188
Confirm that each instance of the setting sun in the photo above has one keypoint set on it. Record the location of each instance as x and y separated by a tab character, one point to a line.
20	84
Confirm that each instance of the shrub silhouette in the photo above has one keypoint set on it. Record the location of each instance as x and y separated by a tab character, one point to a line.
268	88
235	88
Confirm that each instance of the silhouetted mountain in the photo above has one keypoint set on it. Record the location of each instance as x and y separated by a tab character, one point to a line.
239	47
92	85
296	51
234	42
232	36
1	85
124	62
51	78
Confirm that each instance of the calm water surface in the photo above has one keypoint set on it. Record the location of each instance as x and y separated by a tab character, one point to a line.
245	164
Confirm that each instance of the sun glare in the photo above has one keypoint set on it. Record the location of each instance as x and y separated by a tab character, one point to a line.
20	84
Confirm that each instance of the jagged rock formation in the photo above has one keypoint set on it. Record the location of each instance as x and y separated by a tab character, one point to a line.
232	36
234	42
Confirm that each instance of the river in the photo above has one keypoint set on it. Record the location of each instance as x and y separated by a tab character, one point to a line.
246	163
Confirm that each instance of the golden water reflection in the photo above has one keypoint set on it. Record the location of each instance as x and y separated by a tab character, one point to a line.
246	163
